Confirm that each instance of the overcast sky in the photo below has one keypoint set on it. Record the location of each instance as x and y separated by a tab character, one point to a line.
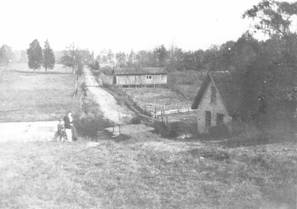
122	25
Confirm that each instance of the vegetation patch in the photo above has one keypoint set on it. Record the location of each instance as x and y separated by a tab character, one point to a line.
89	121
174	129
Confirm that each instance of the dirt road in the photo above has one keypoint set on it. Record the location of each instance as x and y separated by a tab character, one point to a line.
109	106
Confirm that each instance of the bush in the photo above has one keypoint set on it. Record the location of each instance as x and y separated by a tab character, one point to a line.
89	125
89	121
174	129
135	120
219	131
94	65
163	130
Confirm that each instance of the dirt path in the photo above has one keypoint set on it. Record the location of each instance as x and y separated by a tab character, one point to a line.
109	106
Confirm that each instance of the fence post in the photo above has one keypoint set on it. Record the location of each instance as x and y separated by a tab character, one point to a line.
119	123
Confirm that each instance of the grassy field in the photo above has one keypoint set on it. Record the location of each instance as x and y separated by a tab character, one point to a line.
28	95
146	172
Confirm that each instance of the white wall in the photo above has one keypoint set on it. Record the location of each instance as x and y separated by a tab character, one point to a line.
141	79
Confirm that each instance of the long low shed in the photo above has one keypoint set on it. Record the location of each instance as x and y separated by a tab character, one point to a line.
137	77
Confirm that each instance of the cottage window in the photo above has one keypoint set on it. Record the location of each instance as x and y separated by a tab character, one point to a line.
213	96
220	119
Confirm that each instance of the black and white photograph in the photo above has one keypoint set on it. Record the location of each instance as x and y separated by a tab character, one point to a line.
148	104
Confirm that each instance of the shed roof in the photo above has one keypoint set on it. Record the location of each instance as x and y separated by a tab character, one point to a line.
139	71
228	88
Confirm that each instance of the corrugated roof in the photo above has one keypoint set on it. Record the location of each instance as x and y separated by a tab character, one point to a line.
227	87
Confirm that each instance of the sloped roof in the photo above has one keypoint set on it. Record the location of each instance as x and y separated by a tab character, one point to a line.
228	88
139	71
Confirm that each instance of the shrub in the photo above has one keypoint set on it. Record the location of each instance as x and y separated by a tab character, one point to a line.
89	121
90	125
135	120
219	131
171	130
163	130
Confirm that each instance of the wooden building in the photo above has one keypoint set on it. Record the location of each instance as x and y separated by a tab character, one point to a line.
137	77
217	101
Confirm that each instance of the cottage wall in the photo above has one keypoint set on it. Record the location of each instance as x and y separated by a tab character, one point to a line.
128	80
214	108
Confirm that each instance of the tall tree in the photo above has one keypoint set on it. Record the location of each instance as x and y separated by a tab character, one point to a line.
273	17
34	55
6	54
74	58
161	55
273	74
131	58
145	59
121	59
176	56
110	57
48	56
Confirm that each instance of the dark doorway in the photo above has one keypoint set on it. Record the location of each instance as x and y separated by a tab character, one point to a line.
207	119
114	81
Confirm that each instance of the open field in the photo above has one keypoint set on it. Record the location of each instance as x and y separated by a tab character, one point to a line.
146	172
28	95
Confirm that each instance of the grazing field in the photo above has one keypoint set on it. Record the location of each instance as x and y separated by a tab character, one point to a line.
28	95
186	82
146	172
